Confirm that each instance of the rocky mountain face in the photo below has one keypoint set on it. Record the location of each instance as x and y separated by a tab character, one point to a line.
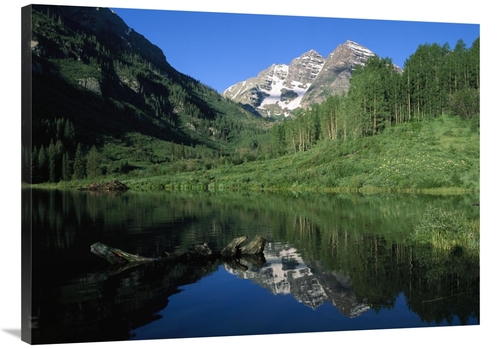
110	29
308	79
90	68
336	72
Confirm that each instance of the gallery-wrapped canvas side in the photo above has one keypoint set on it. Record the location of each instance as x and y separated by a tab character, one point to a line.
26	111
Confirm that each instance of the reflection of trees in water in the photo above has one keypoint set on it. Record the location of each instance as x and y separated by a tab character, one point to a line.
355	248
382	263
108	304
231	214
444	284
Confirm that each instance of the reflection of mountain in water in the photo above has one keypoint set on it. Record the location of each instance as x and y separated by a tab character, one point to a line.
285	272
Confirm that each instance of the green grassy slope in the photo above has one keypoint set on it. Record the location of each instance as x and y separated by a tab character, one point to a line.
437	155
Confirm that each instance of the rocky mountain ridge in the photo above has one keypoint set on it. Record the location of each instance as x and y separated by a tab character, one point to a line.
308	79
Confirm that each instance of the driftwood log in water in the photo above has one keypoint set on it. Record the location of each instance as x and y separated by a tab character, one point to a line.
116	256
233	250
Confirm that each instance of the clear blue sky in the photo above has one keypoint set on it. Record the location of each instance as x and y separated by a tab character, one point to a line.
221	49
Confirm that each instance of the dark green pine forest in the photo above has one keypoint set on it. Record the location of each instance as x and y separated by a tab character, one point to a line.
106	105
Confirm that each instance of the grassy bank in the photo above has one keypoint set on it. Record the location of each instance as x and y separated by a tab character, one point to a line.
448	231
436	156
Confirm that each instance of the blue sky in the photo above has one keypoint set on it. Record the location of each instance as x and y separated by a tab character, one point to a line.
221	49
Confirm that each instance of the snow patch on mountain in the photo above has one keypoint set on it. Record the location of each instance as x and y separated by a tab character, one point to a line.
300	90
242	88
359	49
274	96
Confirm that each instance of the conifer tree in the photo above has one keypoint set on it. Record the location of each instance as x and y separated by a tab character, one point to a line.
93	163
66	168
42	162
69	132
78	164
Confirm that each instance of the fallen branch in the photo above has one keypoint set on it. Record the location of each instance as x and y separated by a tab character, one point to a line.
116	256
233	250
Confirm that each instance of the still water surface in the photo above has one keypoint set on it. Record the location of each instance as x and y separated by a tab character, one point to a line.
332	262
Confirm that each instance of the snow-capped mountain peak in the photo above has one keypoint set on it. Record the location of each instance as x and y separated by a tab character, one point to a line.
281	88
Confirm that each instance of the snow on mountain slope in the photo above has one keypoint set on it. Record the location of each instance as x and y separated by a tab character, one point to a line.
308	79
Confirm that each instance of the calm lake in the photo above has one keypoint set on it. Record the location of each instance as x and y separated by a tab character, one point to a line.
332	263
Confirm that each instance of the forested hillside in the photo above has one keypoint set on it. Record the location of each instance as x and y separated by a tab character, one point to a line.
102	91
435	81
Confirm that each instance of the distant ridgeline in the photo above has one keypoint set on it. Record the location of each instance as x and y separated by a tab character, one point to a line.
106	103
